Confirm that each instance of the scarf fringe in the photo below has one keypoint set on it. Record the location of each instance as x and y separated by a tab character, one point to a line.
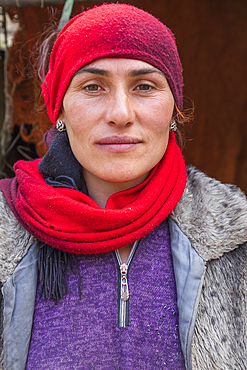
53	265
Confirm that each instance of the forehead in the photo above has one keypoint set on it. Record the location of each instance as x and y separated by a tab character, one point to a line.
120	65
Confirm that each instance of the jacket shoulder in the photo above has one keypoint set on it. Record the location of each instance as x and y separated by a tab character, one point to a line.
15	241
211	214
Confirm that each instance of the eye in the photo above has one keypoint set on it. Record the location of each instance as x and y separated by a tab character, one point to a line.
144	87
92	87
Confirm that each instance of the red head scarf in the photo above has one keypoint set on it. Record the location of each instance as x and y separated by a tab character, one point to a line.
110	31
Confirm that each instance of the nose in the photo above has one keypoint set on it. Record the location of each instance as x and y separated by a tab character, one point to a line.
120	110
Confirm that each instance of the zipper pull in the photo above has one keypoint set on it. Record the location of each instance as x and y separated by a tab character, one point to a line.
124	282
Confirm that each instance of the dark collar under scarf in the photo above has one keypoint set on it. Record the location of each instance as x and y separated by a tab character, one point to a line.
59	166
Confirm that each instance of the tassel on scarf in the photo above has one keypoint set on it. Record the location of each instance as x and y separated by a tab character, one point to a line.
53	265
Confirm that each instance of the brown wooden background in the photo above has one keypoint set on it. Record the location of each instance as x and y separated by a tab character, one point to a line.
212	42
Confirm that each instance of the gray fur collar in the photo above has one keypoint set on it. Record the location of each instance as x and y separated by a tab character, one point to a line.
15	241
212	215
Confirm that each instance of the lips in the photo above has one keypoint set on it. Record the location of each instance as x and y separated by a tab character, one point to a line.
118	140
119	144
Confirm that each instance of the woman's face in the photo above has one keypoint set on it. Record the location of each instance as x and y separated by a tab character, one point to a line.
117	113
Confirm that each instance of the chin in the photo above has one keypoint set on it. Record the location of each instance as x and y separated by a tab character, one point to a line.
119	179
124	178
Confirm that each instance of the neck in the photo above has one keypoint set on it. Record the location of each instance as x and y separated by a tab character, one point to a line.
100	190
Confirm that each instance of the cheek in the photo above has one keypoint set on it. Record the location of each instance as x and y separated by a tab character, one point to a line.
159	124
159	111
80	124
158	134
76	111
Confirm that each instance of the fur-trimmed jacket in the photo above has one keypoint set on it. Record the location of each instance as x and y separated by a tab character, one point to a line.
208	230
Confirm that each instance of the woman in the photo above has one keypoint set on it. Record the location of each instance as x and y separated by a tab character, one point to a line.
139	267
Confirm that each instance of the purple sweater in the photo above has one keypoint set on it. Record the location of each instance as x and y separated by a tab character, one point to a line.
84	334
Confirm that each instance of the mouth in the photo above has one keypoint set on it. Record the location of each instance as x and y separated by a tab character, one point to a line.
119	143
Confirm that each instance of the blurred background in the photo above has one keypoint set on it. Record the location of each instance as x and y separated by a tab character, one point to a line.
212	41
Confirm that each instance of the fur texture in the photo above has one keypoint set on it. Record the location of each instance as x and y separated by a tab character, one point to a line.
212	215
220	337
15	241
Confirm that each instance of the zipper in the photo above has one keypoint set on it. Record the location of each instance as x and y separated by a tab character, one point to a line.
123	287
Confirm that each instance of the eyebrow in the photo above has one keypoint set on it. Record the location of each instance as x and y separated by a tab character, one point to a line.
140	72
95	71
133	73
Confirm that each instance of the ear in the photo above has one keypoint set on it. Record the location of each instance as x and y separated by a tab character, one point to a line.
61	115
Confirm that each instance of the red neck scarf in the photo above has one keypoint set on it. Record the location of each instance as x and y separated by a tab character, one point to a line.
69	220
